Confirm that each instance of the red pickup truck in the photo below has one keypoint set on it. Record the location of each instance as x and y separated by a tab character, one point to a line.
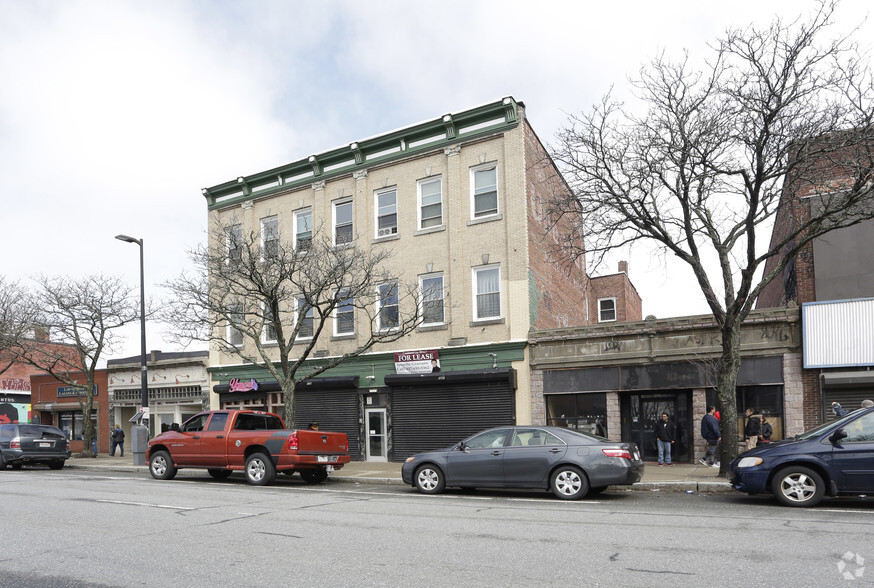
257	443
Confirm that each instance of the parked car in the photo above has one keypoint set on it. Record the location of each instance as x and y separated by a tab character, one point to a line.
21	444
570	463
834	459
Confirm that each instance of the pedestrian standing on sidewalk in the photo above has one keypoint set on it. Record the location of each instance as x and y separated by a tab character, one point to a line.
117	440
666	435
710	433
753	428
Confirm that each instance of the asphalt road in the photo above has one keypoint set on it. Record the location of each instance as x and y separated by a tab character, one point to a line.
79	528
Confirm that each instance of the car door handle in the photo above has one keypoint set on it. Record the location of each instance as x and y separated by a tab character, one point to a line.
555	450
196	437
219	436
497	452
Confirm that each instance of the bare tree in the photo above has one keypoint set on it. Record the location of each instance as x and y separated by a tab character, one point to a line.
16	321
698	170
82	316
270	303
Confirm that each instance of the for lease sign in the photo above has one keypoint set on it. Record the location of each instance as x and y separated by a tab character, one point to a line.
416	362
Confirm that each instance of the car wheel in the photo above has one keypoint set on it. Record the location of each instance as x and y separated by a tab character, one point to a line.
798	486
316	476
429	479
2	462
161	466
260	470
17	466
56	465
569	483
219	473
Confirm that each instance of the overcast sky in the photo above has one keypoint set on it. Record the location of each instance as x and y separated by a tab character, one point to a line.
114	114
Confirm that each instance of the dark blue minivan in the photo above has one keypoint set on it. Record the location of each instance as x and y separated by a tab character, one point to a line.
836	458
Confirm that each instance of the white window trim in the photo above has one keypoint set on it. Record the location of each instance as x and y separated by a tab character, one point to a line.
297	215
473	170
422	278
264	233
297	316
336	319
438	179
229	237
615	310
379	326
475	309
376	196
334	206
264	339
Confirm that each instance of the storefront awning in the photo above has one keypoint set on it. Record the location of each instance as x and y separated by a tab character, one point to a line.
61	406
845	379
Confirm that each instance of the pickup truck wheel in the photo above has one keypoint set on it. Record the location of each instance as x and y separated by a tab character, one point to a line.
429	479
260	470
798	486
314	476
56	465
161	466
219	474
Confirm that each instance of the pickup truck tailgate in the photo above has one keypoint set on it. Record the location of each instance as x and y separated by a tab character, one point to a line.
322	443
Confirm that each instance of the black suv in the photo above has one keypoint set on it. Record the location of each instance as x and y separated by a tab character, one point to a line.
21	444
834	459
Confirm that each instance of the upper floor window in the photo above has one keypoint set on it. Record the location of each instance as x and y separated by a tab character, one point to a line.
269	236
271	314
303	228
431	293
343	222
305	315
606	310
487	292
388	315
387	213
344	315
234	243
430	203
235	316
484	182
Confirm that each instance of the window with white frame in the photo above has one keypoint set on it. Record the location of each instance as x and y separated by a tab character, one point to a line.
234	335
487	292
343	222
344	314
387	213
303	229
271	313
430	203
305	314
388	315
484	193
432	294
269	237
234	243
606	310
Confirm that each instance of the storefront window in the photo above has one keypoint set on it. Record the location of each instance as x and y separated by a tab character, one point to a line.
764	400
73	426
582	412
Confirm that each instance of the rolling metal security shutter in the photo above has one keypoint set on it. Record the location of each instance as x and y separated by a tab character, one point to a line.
334	408
435	413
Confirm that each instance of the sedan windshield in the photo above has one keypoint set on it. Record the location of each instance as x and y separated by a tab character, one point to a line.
817	430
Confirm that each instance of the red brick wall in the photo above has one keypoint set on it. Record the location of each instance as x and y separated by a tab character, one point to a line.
618	286
44	388
558	284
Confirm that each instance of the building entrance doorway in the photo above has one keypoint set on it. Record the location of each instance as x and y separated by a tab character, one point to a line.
376	434
645	410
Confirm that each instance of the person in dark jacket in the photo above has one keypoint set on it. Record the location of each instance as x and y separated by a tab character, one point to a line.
753	428
666	435
710	433
117	440
842	412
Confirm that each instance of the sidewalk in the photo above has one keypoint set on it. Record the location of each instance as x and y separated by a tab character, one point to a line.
678	478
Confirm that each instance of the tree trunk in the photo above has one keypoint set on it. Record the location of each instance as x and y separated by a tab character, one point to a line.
727	394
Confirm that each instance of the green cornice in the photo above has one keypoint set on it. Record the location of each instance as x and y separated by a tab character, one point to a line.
427	136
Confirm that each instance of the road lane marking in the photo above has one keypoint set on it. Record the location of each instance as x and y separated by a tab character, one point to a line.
151	505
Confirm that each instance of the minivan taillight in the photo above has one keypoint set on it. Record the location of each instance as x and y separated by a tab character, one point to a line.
617	453
15	443
292	441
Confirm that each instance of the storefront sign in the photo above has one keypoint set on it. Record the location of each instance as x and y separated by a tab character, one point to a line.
417	362
238	386
68	391
15	384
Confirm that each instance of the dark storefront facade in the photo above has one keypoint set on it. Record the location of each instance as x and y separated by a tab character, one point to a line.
617	381
389	416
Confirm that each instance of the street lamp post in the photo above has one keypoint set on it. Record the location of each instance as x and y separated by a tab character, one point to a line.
140	434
